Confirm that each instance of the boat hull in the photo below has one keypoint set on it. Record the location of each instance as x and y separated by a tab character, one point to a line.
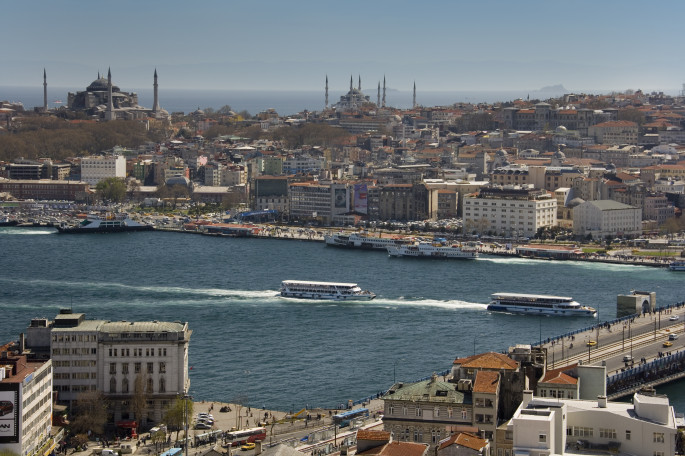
538	311
437	253
109	229
329	297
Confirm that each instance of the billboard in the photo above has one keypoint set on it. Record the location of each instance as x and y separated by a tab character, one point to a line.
9	413
340	197
361	205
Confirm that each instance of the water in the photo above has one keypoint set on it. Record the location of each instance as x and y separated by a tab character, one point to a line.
254	101
247	342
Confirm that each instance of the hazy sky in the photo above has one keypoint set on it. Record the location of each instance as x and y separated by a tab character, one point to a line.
292	45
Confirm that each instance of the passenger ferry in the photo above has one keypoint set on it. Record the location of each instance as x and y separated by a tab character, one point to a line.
432	250
324	290
539	305
677	266
110	223
364	241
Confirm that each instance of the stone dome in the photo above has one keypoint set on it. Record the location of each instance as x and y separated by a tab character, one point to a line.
561	129
100	85
178	180
575	202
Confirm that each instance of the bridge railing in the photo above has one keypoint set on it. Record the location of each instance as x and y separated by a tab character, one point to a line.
664	365
676	305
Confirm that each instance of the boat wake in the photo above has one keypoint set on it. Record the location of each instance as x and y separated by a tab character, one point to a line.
26	232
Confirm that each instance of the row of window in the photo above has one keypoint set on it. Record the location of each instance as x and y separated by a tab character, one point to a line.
436	412
74	351
137	352
137	368
74	337
149	385
605	433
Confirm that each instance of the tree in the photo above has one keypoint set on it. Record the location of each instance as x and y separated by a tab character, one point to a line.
632	115
90	413
6	452
224	110
112	189
139	399
175	416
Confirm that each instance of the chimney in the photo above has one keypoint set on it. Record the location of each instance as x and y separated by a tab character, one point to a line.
527	398
602	401
22	343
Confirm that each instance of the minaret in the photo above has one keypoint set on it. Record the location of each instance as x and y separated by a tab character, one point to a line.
45	91
109	114
378	103
360	83
413	103
350	83
384	91
326	107
155	105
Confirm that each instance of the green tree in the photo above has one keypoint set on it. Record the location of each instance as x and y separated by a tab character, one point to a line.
139	399
225	110
112	189
90	413
632	115
6	452
176	417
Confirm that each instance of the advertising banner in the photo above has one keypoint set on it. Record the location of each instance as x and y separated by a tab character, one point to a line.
361	204
340	196
9	413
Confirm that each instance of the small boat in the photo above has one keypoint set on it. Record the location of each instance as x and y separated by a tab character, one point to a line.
108	224
436	250
677	265
6	221
336	291
533	304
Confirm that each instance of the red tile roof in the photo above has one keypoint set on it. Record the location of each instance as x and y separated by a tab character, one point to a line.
464	439
486	382
398	449
489	360
365	434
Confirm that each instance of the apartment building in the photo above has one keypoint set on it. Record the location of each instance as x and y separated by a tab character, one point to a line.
603	218
25	402
97	168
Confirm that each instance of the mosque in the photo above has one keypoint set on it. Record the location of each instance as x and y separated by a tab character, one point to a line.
106	101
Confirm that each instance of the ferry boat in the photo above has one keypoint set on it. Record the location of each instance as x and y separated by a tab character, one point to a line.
539	305
6	221
364	241
432	250
337	291
108	224
677	265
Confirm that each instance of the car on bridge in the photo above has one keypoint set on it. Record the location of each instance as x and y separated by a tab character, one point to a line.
668	344
591	343
674	317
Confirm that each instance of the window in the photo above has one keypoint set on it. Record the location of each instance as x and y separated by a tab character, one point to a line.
391	410
162	368
464	414
124	368
112	368
124	386
627	434
149	385
658	437
607	433
418	411
162	385
112	385
136	368
150	368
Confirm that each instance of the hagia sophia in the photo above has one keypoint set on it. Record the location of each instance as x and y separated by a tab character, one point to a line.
106	101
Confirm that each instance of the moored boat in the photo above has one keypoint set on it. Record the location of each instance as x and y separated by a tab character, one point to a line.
533	304
337	291
677	265
6	221
364	241
108	224
435	250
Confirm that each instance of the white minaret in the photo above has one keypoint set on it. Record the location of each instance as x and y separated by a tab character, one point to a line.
384	91
109	114
45	91
155	105
413	103
326	107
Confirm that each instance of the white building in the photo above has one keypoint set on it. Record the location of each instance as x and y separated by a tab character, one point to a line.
97	168
302	164
25	403
509	211
564	426
110	357
603	218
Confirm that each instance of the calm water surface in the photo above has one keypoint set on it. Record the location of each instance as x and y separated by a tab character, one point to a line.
248	342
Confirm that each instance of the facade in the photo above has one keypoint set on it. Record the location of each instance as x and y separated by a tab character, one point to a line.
544	117
317	201
657	208
603	218
403	202
25	401
302	165
427	411
116	359
513	212
45	189
614	132
98	168
551	427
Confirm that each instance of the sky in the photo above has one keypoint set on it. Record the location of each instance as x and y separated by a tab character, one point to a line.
452	45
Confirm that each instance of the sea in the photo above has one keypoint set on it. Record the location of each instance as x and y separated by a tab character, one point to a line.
255	101
250	345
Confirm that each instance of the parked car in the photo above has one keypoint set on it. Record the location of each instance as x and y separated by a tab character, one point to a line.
248	446
202	425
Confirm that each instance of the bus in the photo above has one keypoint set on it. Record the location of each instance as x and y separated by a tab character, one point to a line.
251	435
343	419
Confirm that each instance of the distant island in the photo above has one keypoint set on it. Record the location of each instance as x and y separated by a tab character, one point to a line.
559	88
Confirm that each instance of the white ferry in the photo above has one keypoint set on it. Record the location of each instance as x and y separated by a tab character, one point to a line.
677	266
324	290
539	305
432	250
364	241
110	223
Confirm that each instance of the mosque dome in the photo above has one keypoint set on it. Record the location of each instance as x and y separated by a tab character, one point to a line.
502	153
560	129
101	84
575	202
178	180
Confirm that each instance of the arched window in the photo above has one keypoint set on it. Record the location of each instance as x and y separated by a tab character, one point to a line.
113	385
162	385
149	385
124	386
